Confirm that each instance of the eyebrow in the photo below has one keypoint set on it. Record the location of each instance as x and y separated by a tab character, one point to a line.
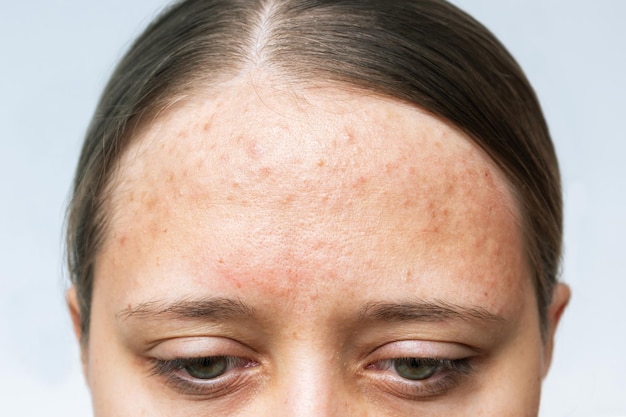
216	309
425	311
226	309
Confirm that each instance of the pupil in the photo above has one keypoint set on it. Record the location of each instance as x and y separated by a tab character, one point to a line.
207	368
415	369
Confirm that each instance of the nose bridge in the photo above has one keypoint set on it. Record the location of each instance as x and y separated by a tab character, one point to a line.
311	390
311	384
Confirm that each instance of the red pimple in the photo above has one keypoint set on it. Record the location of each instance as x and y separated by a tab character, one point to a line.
360	182
265	172
287	200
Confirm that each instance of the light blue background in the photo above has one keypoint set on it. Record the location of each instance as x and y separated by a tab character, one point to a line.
55	57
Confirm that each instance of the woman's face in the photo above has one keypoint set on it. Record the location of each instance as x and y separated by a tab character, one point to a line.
310	253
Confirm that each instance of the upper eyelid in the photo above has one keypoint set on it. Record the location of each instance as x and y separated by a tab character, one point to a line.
420	349
201	347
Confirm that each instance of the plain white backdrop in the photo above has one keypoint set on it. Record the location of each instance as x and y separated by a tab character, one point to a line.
56	55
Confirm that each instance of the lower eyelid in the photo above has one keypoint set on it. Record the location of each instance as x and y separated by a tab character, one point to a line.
226	385
422	390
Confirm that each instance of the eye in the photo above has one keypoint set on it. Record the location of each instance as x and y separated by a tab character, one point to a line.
206	368
208	377
416	369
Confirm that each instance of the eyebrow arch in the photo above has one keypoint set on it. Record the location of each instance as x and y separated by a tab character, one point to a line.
425	311
206	308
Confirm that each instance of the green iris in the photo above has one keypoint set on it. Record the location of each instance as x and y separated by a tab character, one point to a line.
207	368
415	369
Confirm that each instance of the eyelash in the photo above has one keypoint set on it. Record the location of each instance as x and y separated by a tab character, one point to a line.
177	377
448	375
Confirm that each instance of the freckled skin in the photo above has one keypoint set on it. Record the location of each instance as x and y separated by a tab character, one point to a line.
306	210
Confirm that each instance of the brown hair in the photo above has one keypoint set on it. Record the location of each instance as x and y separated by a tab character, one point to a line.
425	52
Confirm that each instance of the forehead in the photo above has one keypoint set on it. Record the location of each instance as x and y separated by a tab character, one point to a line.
293	193
249	141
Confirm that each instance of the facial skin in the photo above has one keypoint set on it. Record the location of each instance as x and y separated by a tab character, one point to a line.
314	237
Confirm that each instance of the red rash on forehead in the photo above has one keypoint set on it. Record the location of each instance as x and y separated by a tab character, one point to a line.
302	201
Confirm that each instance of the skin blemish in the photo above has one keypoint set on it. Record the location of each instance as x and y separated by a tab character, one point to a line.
288	200
265	172
408	203
150	203
255	150
232	278
360	182
270	281
391	168
348	136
